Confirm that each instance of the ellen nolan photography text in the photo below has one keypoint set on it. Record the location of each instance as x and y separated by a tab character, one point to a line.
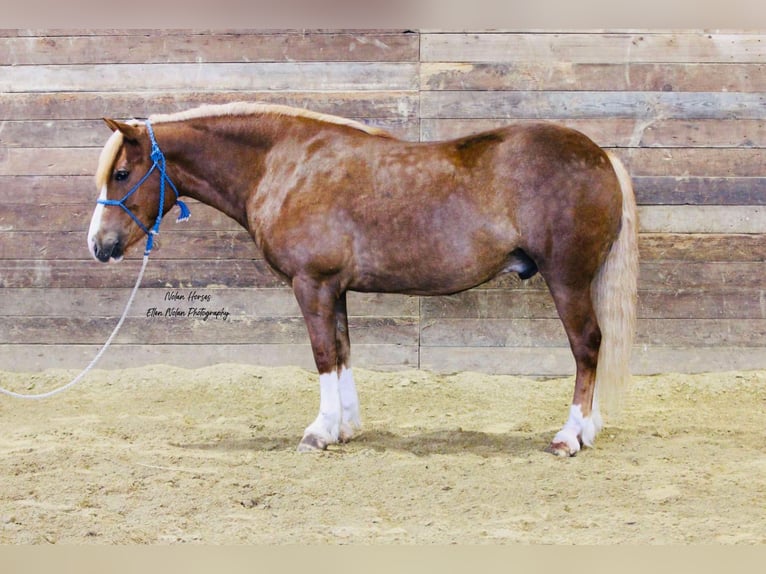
188	305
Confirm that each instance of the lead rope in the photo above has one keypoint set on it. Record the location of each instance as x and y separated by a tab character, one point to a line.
95	360
158	159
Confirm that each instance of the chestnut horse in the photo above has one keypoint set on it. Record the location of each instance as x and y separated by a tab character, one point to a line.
335	206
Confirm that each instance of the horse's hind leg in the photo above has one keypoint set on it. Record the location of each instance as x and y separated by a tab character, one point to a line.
349	400
575	307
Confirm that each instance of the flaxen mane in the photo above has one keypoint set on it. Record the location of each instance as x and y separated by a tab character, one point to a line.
252	108
113	144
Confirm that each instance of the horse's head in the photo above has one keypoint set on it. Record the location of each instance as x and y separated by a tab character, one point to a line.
131	178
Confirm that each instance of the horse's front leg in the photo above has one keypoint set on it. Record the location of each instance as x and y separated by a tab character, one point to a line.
350	419
317	300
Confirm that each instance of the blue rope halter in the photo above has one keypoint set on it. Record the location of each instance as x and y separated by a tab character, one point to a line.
158	163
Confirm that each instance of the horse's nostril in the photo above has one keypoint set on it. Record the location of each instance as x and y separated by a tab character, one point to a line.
107	250
102	254
117	250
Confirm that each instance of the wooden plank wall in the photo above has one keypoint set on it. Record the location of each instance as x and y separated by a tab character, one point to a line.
685	111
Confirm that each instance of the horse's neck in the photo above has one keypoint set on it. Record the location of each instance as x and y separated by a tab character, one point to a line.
217	169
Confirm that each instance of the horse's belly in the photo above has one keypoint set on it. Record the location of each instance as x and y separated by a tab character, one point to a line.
436	270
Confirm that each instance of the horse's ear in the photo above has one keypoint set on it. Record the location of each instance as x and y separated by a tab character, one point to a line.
112	124
130	132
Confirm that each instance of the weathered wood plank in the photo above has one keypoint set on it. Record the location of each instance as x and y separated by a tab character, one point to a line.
607	104
477	305
159	274
705	276
625	132
76	217
702	333
322	76
512	305
654	162
553	361
693	162
41	189
550	333
607	132
44	134
192	31
725	304
239	302
671	276
701	247
492	333
638	47
695	190
155	46
96	105
702	219
176	243
64	191
41	134
652	219
489	304
650	360
50	161
525	361
21	358
160	330
171	243
71	245
622	76
195	31
84	302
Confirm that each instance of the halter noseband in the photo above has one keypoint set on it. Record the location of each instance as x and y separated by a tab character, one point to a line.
158	162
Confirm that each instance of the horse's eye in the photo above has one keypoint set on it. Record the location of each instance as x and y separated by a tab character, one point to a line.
121	175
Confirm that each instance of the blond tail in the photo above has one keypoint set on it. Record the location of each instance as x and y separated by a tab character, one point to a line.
615	297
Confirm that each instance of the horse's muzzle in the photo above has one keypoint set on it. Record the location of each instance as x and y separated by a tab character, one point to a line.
106	250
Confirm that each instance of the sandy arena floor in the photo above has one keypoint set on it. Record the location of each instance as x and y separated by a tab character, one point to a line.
161	455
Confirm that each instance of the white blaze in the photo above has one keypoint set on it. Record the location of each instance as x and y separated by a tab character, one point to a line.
95	223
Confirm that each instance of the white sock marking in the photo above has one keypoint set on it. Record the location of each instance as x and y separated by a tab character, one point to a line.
327	424
349	402
578	426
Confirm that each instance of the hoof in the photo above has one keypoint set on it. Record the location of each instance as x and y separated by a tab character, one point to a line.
561	449
348	431
312	443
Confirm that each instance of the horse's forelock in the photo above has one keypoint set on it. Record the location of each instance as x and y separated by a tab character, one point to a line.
107	158
109	155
